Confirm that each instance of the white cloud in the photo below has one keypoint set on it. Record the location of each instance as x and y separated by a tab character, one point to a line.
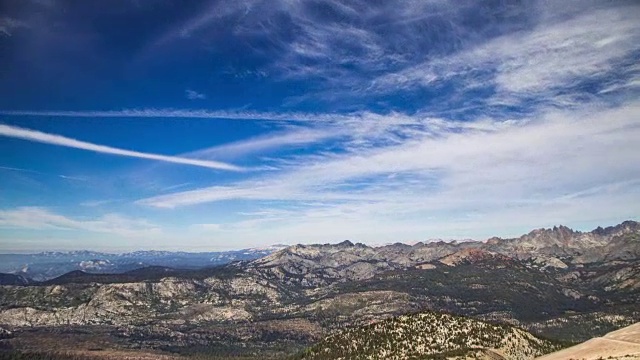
37	136
316	43
545	47
66	177
556	54
205	17
564	166
97	203
185	113
75	178
194	95
206	227
262	144
540	63
8	25
587	46
10	168
632	82
363	128
36	218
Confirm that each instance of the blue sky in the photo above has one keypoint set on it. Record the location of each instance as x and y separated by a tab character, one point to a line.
209	125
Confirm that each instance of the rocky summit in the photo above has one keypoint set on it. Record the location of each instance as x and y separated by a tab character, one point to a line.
555	284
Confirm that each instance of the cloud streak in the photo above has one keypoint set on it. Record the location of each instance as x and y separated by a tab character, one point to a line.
542	49
295	137
560	167
41	137
194	95
184	113
8	25
37	218
505	163
66	177
550	63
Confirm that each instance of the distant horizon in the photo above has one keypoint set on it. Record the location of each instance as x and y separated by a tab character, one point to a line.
429	240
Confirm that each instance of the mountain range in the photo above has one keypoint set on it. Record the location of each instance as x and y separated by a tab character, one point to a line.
556	284
47	265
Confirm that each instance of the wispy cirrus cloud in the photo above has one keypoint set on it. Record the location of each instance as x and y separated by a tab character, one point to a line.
549	56
292	137
355	131
194	95
209	13
333	41
8	25
539	171
41	137
511	57
359	128
66	177
185	113
479	173
97	203
38	218
541	53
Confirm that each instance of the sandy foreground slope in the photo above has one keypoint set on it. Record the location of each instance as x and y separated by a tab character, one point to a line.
619	344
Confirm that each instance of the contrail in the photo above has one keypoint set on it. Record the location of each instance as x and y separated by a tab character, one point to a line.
41	137
188	114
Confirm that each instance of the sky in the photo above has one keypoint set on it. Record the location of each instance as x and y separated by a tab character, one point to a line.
212	125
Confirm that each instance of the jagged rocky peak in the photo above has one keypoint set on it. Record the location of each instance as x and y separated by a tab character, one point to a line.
563	231
398	246
305	258
556	234
346	243
628	226
548	247
316	249
494	240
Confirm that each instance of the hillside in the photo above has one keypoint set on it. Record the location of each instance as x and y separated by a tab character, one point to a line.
623	344
429	335
11	279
